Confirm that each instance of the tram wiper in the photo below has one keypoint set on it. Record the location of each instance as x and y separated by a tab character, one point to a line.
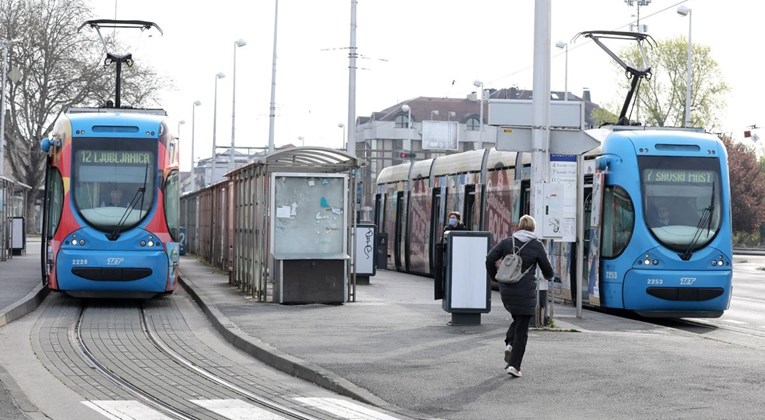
139	195
706	219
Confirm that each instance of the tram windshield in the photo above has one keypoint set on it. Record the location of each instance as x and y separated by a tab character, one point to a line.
681	200
113	181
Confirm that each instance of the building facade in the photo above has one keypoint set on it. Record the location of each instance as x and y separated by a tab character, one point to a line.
394	135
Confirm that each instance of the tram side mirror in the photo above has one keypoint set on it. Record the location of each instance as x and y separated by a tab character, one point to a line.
47	143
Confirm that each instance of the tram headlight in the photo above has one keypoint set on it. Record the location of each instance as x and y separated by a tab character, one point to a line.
82	242
150	243
143	243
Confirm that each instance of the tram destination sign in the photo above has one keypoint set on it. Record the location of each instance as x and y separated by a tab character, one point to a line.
114	157
691	176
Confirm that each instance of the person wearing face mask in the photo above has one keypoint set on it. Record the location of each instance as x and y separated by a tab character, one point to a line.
454	223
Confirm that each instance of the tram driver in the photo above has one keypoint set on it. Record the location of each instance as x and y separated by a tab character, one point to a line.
115	199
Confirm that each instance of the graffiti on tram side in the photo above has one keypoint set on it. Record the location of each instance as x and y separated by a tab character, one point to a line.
419	214
499	208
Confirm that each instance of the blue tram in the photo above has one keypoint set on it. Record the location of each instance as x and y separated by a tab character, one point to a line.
676	266
662	218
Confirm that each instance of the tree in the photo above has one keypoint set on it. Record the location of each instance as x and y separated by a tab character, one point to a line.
60	67
661	99
747	187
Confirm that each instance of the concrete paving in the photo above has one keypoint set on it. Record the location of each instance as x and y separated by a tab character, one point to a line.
393	347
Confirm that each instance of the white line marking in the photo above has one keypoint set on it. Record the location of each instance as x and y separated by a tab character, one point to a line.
237	410
125	410
345	409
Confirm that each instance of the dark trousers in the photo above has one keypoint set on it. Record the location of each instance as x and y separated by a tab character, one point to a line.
517	336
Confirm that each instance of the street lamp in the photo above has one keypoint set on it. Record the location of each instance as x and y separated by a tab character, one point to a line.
341	125
178	133
238	43
215	121
561	44
408	146
193	125
684	10
5	43
479	84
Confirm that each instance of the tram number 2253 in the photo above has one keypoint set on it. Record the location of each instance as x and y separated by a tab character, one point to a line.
654	281
611	275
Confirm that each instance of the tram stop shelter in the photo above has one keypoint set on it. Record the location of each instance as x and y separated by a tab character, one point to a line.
294	221
13	200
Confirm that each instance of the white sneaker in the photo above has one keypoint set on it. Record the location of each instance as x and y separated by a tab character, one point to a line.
508	349
513	371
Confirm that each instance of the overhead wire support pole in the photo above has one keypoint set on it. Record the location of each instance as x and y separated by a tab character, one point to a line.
272	107
540	122
350	146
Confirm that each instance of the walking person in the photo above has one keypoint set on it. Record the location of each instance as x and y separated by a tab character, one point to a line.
520	298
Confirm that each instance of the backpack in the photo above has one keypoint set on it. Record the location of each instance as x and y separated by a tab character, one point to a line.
509	271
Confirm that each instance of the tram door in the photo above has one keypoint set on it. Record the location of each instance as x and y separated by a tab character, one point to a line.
400	228
586	221
469	213
593	216
435	231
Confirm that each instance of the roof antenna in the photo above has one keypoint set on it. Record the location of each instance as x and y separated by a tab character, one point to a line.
97	24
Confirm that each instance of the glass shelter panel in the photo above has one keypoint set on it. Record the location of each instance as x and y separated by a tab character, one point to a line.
309	215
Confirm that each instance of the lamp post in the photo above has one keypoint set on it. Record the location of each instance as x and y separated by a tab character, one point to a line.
341	125
238	43
408	146
684	10
5	44
215	121
561	44
193	126
178	133
479	84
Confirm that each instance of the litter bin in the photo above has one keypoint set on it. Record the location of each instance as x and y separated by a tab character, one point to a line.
381	247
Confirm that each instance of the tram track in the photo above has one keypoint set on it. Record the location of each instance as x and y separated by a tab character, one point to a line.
88	357
182	361
189	369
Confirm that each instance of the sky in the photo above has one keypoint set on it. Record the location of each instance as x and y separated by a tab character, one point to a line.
408	48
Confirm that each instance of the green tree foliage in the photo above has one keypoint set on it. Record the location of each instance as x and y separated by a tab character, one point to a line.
747	187
661	99
59	67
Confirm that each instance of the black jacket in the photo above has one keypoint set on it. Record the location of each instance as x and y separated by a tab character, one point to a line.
520	298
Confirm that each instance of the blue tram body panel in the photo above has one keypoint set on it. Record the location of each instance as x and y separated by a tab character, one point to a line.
129	264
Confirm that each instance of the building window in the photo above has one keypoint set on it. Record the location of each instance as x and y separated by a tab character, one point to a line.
401	121
473	124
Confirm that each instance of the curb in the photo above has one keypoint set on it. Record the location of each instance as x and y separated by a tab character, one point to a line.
23	306
284	362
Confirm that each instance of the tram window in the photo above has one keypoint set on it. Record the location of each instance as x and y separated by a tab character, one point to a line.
618	221
172	201
55	191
